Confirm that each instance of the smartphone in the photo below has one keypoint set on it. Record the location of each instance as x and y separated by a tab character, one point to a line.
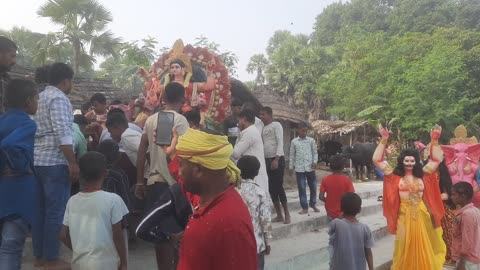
164	128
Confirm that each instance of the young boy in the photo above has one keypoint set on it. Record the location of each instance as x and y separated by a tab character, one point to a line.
349	236
116	181
335	185
466	228
303	159
258	204
92	224
17	182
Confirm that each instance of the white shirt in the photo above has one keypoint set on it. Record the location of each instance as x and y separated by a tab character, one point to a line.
272	136
129	142
259	124
250	143
158	160
90	217
107	136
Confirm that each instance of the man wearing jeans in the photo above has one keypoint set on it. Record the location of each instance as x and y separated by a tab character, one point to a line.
55	165
303	158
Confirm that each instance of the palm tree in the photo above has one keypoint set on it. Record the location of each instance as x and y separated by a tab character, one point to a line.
84	25
258	63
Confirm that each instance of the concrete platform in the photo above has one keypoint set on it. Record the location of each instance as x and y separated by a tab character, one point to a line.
295	245
315	221
364	189
309	250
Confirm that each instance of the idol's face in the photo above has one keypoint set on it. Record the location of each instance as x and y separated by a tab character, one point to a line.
176	69
409	162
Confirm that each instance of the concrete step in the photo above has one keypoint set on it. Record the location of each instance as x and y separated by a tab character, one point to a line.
366	190
300	224
141	256
316	221
309	250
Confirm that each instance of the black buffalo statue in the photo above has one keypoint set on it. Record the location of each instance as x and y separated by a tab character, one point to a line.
361	155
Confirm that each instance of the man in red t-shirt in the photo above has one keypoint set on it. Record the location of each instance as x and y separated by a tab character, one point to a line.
335	185
219	235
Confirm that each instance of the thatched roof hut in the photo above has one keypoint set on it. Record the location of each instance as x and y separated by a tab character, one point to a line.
283	112
281	109
83	88
358	131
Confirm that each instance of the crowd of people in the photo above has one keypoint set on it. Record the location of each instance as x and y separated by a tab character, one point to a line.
98	179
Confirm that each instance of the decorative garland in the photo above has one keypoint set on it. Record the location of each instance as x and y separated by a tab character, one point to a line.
218	99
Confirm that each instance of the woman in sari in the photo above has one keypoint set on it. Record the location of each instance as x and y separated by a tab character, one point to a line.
413	207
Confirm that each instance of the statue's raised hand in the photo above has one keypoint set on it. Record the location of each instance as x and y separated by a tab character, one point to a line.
383	132
435	133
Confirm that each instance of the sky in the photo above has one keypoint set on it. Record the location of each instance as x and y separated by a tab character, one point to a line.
243	27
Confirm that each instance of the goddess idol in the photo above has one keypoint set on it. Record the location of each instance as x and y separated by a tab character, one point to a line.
204	76
412	205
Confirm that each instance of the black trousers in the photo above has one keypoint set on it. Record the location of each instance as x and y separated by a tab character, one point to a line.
275	180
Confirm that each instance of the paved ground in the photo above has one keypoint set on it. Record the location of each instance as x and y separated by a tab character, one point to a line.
142	256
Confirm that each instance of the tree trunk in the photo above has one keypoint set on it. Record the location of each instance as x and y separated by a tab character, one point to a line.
76	55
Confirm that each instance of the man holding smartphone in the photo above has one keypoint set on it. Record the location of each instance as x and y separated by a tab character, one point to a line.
159	178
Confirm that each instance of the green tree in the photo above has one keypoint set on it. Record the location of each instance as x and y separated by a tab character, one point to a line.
405	63
26	41
84	24
123	69
229	59
51	48
36	49
467	14
421	15
284	54
258	64
296	69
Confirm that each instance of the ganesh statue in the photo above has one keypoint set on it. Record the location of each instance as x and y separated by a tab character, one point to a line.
461	158
202	73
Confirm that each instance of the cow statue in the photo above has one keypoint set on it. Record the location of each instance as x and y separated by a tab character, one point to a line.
361	155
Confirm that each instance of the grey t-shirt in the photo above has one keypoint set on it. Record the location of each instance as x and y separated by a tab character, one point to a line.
348	241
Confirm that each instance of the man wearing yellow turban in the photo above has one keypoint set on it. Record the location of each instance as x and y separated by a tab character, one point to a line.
211	151
208	172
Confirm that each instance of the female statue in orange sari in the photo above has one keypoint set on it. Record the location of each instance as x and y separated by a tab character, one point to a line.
413	206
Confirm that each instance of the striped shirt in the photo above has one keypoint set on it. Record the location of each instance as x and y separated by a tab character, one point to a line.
54	120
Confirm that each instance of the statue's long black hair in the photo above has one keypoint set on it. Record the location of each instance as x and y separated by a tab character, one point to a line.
198	72
417	168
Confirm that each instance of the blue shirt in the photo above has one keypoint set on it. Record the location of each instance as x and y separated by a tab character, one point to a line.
17	182
303	153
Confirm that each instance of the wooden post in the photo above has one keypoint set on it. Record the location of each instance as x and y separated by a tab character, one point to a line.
364	134
351	165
